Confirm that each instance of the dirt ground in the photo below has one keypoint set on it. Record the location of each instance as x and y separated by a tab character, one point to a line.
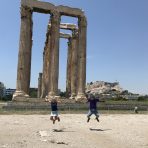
37	131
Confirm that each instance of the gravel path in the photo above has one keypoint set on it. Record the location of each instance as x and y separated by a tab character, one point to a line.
37	131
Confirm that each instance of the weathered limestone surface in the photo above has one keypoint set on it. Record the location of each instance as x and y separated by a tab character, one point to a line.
76	61
47	62
68	26
68	73
74	64
65	35
71	67
46	65
45	7
65	10
54	46
38	6
39	85
24	57
82	58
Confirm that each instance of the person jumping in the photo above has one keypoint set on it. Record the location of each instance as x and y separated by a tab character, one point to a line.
92	100
54	110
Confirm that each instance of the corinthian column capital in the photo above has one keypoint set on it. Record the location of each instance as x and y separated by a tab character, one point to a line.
55	16
82	21
25	12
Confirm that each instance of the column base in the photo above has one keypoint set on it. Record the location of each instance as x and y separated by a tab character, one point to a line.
73	96
20	96
81	97
42	96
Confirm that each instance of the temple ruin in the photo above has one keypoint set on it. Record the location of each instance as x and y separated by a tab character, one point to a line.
76	59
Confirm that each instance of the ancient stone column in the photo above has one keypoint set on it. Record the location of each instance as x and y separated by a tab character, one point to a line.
54	46
82	58
24	56
39	85
74	64
46	66
68	73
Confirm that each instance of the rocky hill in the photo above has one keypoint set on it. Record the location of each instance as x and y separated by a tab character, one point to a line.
101	87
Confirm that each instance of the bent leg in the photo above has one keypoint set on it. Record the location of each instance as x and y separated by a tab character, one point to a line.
97	115
88	115
58	118
51	117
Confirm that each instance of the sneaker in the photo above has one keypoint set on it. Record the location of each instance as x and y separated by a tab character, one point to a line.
58	119
53	121
97	119
88	119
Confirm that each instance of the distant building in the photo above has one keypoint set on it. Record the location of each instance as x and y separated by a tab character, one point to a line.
131	97
9	91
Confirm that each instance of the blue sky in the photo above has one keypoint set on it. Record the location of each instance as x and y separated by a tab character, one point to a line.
117	42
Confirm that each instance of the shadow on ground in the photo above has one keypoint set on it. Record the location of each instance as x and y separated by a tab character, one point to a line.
96	129
61	130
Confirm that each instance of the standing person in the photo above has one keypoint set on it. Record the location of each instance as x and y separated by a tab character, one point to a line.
92	100
136	109
54	110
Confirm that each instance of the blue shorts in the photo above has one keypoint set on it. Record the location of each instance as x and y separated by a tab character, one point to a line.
93	111
54	113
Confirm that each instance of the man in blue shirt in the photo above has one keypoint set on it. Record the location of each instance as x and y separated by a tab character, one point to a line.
92	107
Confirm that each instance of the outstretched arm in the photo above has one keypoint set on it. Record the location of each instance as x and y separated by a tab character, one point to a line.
59	101
47	100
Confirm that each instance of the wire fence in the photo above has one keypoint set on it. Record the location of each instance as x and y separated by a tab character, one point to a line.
71	107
